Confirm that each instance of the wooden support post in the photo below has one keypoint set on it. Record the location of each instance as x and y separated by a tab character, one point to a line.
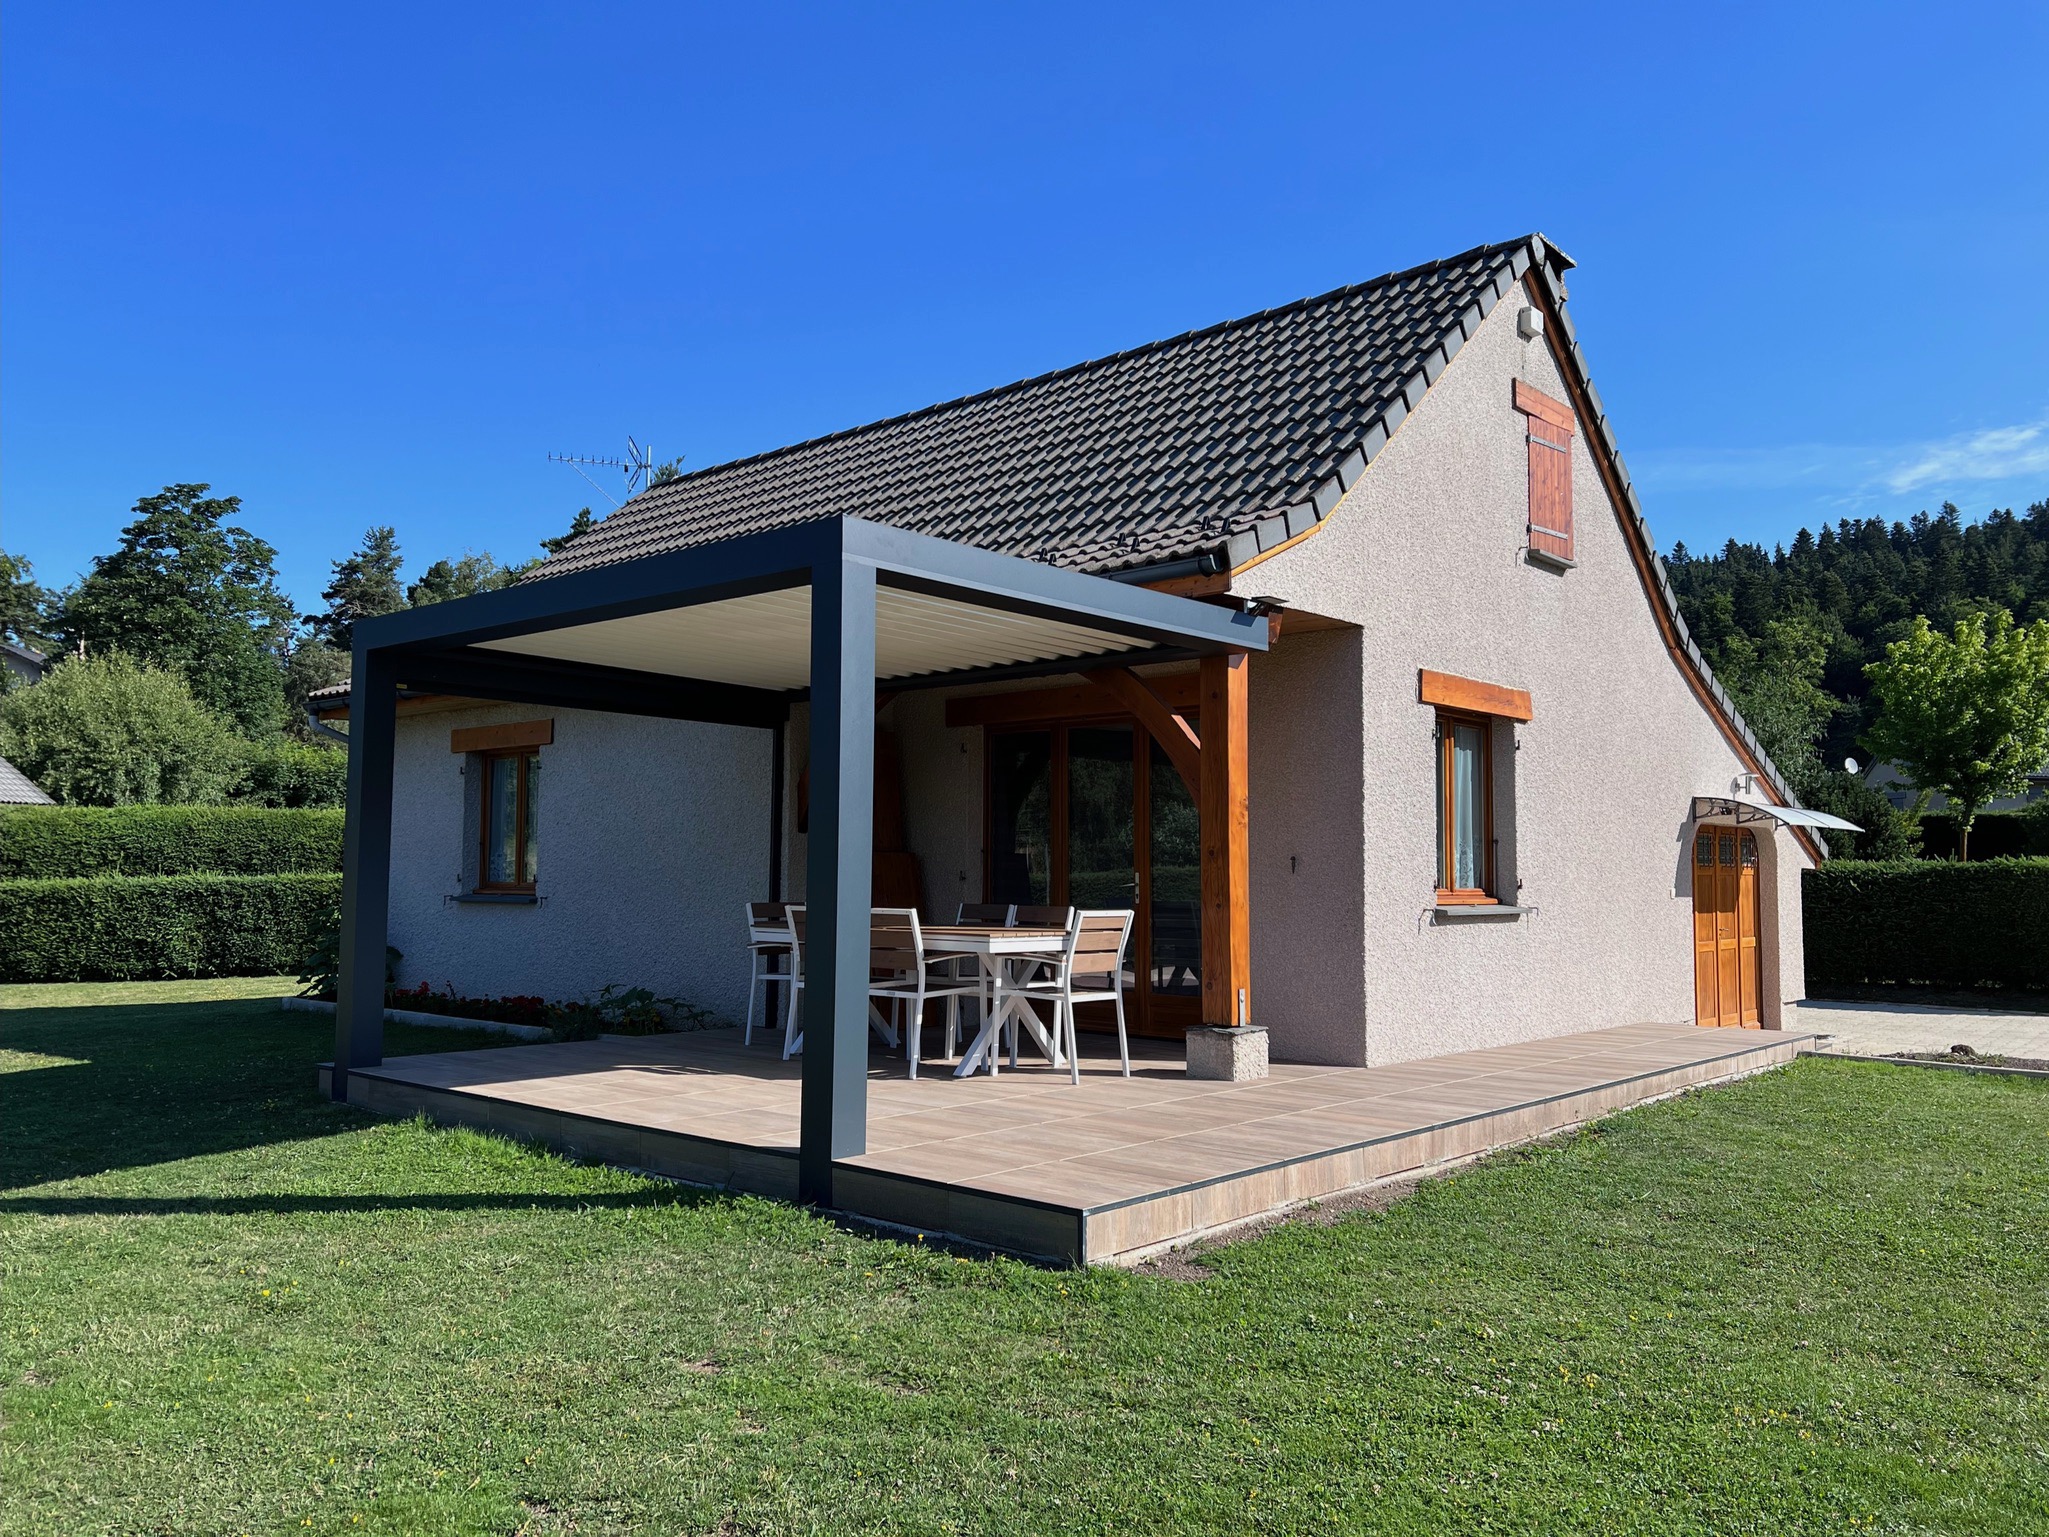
1226	842
832	1117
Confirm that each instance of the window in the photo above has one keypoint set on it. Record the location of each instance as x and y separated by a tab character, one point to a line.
511	804
1549	429
1465	809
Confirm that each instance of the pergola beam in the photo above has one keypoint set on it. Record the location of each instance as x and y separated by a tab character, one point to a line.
833	1114
521	679
366	868
843	561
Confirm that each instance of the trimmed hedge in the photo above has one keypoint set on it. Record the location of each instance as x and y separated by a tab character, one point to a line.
57	842
1931	922
132	928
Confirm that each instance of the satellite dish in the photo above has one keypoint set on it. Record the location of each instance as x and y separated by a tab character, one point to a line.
1849	765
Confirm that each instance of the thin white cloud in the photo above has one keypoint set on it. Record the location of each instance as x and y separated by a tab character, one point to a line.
1849	475
1997	453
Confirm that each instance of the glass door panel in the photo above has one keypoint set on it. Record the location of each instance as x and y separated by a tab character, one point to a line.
1021	817
1175	850
1102	864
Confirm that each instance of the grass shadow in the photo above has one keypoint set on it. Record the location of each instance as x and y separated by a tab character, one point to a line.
135	1084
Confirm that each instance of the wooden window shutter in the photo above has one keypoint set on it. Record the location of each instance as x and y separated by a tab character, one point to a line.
1550	430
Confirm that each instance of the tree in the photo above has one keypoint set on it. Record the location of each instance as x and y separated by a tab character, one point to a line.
189	592
105	730
1776	683
1863	583
312	664
446	579
580	525
365	586
25	605
1966	714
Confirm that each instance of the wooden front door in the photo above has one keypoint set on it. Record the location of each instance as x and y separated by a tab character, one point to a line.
1725	959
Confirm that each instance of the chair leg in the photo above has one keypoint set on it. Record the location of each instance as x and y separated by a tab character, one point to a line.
1073	1043
753	987
914	1028
1123	1045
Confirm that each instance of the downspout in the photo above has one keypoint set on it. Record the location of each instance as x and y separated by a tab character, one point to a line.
320	727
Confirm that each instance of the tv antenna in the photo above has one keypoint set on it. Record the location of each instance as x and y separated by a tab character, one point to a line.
638	466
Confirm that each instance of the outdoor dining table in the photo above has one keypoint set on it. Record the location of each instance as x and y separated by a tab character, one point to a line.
998	950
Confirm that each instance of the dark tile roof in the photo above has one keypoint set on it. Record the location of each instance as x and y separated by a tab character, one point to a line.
1225	440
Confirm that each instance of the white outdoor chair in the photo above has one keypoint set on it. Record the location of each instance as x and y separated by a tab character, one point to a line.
900	971
967	968
1028	966
768	949
1089	969
995	915
793	1036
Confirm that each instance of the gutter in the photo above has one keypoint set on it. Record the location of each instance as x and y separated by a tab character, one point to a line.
1166	570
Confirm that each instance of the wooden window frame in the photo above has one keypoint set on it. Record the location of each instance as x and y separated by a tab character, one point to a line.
522	781
1449	895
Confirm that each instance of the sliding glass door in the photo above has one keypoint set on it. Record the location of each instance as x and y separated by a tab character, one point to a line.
1092	814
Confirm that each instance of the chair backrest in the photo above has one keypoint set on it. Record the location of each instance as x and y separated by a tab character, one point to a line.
1042	917
895	942
1095	948
767	923
994	914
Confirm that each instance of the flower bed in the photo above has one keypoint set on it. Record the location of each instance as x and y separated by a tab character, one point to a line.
615	1010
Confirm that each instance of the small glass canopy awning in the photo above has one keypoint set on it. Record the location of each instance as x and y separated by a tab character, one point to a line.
1741	808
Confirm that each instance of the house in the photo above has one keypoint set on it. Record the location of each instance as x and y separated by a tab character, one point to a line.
24	664
17	789
1897	786
1330	640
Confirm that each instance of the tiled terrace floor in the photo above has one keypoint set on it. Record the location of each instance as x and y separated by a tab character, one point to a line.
1029	1162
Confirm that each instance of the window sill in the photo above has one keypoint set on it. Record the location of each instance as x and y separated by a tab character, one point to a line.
1467	912
1549	561
499	898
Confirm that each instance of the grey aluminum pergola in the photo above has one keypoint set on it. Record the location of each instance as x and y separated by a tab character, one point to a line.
492	646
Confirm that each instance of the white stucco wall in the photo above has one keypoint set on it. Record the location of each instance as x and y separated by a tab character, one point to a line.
1308	848
652	834
1426	557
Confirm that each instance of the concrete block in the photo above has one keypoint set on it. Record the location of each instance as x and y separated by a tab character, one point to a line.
1231	1054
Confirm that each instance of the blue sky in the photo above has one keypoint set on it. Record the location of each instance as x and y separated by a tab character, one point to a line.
371	264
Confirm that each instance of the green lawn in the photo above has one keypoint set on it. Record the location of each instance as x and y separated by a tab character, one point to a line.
1817	1301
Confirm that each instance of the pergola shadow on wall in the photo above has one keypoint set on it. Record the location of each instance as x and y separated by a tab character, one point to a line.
734	633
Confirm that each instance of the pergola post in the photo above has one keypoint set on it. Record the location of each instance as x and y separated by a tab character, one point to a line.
1225	803
833	1121
366	869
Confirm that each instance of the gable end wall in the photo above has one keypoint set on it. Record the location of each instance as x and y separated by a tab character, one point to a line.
1426	555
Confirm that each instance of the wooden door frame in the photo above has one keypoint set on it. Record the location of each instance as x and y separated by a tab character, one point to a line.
1146	1013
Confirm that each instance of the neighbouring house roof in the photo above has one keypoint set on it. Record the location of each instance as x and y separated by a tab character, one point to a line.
1226	440
28	656
17	789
